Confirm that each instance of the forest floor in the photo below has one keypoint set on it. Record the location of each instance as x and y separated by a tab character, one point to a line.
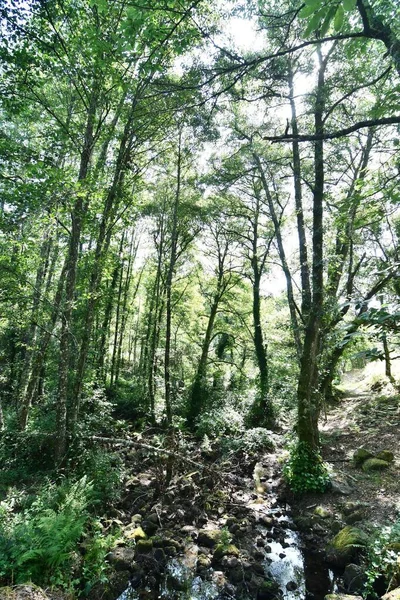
217	493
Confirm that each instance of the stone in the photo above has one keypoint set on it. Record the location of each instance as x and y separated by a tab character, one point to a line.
291	586
361	455
355	517
22	592
375	464
209	537
386	455
393	595
354	578
121	558
149	527
258	568
352	506
322	512
268	590
342	597
203	562
346	545
135	534
144	546
341	488
225	550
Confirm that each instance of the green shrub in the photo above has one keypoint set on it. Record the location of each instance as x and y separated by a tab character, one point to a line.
383	559
53	540
221	421
305	470
38	543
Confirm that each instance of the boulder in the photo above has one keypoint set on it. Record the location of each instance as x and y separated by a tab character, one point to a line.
121	558
386	455
354	578
393	595
209	537
322	512
361	455
346	545
375	464
225	550
342	597
22	592
268	590
341	488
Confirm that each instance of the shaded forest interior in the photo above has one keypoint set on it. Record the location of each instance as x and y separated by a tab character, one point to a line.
199	245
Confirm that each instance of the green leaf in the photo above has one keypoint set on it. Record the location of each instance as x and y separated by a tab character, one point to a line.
313	24
339	16
327	20
313	3
349	5
306	11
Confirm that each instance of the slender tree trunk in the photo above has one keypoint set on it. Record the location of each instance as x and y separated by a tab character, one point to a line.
307	391
117	312
168	286
298	196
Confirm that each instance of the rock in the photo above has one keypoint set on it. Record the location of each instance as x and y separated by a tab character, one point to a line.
149	527
236	576
225	550
159	555
375	464
351	506
170	551
219	579
341	488
144	546
355	517
258	568
386	455
354	578
22	592
291	586
342	597
268	590
282	555
361	455
135	534
117	582
393	595
153	518
322	512
209	537
260	542
268	549
121	559
346	545
258	555
203	562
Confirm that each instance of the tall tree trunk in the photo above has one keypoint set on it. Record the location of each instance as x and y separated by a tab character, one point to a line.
307	392
168	285
298	196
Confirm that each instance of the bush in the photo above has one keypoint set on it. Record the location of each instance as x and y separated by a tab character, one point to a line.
305	470
41	542
221	421
383	560
252	441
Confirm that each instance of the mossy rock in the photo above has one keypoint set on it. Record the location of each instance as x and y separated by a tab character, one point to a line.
209	537
355	517
22	592
135	534
322	512
222	550
346	545
144	546
386	455
361	455
268	590
342	597
375	464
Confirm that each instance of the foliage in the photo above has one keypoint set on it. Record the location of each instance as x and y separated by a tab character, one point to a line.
250	442
305	470
40	540
383	559
220	422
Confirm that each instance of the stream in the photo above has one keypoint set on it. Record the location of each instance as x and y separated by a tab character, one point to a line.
299	573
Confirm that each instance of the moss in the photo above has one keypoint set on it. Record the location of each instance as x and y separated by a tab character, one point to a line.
375	464
136	534
320	511
222	550
361	455
346	544
144	546
386	455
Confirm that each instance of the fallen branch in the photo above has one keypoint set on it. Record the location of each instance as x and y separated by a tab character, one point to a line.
155	449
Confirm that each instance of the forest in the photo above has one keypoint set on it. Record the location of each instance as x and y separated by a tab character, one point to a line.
199	299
